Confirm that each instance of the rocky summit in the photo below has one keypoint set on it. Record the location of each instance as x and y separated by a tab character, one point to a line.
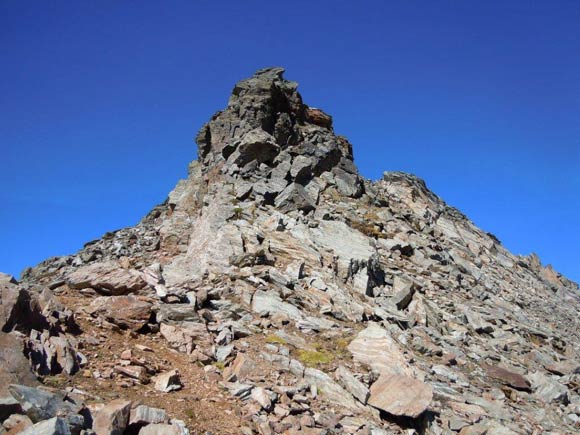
276	291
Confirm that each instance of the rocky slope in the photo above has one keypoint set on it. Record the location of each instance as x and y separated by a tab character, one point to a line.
278	291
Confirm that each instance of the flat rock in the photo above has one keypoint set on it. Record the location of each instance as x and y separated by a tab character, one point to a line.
400	395
107	277
270	303
507	377
374	347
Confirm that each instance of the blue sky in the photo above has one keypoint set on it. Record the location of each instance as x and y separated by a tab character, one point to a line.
100	102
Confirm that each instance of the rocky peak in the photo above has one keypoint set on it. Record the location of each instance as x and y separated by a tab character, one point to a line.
266	133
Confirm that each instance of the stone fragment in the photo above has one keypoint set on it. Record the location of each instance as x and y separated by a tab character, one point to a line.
132	371
186	336
404	291
507	377
256	145
263	397
240	369
564	368
168	381
113	418
548	390
400	395
318	117
351	384
14	367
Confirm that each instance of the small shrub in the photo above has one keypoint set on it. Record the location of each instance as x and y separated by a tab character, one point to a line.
313	358
238	212
275	339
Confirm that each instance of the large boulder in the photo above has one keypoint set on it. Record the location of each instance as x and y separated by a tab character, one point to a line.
400	395
127	312
107	277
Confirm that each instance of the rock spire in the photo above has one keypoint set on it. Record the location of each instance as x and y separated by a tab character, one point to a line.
266	134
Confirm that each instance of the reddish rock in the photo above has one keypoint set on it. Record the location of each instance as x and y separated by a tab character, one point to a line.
400	395
239	370
127	312
318	117
507	377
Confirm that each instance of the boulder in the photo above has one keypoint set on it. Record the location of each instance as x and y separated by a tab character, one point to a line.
400	395
374	347
107	277
14	367
127	312
113	418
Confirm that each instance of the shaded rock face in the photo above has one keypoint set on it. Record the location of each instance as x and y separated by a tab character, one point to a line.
317	301
267	132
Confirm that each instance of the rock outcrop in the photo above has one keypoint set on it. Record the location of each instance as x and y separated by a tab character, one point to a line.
278	291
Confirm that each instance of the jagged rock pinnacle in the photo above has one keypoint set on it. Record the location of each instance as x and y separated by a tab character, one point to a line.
266	133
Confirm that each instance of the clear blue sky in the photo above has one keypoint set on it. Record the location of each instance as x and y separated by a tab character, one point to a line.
100	101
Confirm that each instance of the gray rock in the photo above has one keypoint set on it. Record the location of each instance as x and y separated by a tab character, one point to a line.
142	415
294	197
41	405
352	384
548	390
270	303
